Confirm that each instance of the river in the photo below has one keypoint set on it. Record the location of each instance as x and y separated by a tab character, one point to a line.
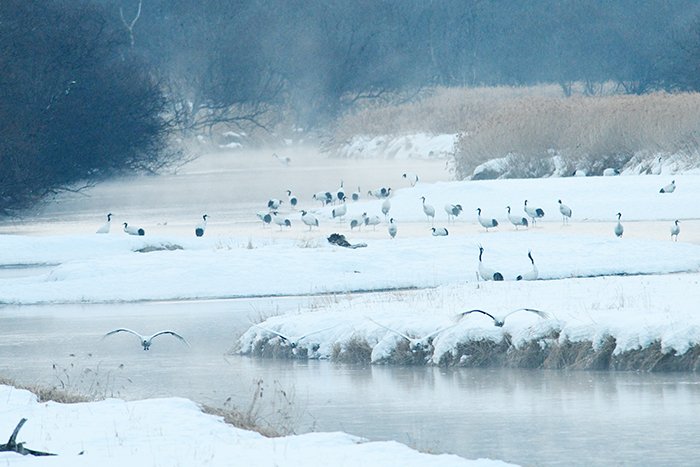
528	417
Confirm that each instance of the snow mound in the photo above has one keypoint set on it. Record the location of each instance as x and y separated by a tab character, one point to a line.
416	146
611	315
174	431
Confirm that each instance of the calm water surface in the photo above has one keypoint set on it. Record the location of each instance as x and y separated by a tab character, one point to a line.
527	417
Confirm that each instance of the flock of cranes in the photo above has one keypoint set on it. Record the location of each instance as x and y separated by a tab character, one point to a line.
340	199
416	343
453	211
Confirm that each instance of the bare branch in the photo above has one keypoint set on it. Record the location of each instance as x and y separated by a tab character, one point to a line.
130	25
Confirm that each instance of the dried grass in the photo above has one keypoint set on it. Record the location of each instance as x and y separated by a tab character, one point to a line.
356	350
438	110
591	133
46	394
529	125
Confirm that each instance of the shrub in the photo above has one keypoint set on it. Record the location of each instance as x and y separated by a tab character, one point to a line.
77	106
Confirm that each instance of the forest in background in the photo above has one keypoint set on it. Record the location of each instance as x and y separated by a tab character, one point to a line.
94	88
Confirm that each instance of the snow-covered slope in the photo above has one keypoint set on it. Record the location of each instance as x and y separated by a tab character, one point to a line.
174	432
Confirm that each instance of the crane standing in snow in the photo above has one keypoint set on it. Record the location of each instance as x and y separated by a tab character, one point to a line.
565	212
533	213
105	227
429	211
532	274
619	229
201	227
486	223
411	177
675	230
452	210
516	220
392	228
487	273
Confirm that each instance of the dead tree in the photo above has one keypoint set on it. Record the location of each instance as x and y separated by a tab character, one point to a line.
13	446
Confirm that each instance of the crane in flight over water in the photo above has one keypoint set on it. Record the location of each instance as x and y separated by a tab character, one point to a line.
146	341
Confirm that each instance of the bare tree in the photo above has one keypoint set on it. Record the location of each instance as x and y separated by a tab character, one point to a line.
129	25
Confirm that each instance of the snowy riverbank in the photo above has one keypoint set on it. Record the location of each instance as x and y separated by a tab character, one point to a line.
174	431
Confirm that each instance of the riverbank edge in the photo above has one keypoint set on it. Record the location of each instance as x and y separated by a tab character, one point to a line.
548	353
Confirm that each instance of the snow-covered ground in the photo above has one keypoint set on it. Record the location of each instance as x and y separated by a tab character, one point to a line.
639	289
415	146
174	431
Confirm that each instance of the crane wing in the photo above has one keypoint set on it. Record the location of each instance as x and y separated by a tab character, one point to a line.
315	332
540	313
172	333
465	313
124	330
391	330
274	332
435	333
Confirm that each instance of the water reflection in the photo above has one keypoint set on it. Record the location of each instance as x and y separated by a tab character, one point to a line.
528	417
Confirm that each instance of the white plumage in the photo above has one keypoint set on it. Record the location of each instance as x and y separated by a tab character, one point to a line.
392	228
619	229
105	227
610	172
340	211
670	188
516	220
146	341
293	342
374	221
418	343
293	200
274	204
411	177
532	274
356	194
428	210
440	232
201	227
325	197
358	221
133	230
452	210
340	194
281	220
565	212
675	230
265	217
486	223
533	213
309	219
499	321
485	272
386	206
381	192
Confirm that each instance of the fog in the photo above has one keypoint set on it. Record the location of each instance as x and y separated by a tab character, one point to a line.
319	58
230	186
